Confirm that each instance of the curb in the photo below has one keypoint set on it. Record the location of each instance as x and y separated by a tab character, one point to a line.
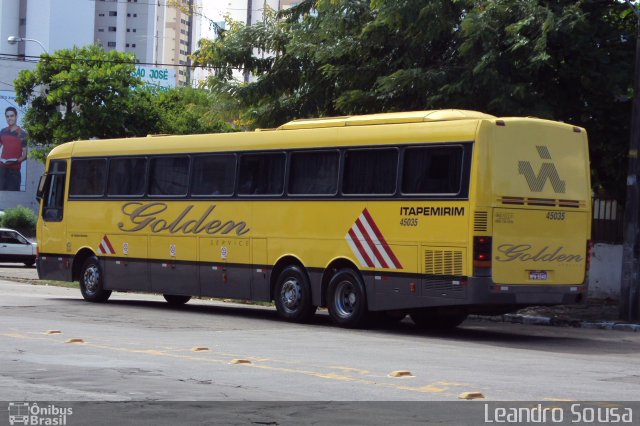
563	322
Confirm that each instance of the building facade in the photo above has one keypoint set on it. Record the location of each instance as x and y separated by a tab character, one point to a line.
160	34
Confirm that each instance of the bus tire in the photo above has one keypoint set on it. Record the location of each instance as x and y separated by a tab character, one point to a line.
437	319
293	295
174	300
347	299
91	282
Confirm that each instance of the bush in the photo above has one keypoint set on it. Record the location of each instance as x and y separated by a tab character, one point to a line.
20	218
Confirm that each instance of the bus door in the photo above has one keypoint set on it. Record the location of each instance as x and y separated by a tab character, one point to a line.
54	259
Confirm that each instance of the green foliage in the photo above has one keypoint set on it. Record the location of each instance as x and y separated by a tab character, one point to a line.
20	218
187	111
566	60
79	93
84	93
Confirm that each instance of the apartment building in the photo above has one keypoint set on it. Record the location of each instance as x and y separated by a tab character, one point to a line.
159	33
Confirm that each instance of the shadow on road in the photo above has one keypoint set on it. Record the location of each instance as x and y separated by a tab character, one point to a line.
565	340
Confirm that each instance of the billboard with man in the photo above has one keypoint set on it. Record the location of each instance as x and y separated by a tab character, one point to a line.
13	145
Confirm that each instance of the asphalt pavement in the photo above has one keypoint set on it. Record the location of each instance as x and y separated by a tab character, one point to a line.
594	313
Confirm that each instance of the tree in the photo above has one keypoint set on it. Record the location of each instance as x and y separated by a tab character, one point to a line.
187	110
80	93
567	60
564	60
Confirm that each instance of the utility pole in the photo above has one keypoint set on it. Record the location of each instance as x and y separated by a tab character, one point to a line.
630	286
249	19
190	43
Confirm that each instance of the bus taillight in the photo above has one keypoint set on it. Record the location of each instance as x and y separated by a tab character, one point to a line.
482	256
589	254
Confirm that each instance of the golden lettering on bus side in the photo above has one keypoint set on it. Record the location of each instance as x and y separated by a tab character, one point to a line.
524	252
146	216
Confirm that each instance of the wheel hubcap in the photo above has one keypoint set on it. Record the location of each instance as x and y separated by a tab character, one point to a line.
346	300
291	295
91	279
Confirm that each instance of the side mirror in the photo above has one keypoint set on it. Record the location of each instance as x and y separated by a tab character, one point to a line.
40	190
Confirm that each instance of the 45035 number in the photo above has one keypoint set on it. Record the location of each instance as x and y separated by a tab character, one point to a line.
556	216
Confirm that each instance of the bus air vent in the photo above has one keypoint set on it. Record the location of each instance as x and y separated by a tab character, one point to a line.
546	202
443	262
480	221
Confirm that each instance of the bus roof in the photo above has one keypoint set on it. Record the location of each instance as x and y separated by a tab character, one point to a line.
445	125
385	118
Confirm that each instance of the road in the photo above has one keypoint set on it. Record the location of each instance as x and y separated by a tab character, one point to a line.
136	347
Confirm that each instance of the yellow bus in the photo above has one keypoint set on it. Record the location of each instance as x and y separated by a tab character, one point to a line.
435	214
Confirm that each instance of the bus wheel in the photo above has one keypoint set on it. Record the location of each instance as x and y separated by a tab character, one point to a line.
346	299
293	295
176	300
434	319
91	282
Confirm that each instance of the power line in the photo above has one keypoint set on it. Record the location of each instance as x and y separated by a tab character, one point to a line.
36	59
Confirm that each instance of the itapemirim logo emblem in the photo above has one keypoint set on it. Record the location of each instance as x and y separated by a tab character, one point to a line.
26	413
548	171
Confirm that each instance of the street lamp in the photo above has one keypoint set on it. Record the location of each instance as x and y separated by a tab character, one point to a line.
14	40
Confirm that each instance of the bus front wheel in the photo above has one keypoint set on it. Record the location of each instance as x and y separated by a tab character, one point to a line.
346	299
293	295
91	282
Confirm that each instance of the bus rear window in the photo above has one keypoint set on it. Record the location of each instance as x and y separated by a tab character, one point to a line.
432	170
88	177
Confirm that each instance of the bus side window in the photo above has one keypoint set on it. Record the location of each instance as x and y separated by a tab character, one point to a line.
88	177
169	176
213	175
261	174
314	173
370	171
432	170
127	176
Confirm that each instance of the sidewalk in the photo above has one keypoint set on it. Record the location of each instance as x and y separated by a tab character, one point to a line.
595	313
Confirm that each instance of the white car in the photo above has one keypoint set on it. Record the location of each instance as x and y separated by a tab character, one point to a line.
14	247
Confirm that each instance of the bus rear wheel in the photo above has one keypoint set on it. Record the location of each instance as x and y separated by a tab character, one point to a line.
174	300
293	295
437	319
91	282
347	299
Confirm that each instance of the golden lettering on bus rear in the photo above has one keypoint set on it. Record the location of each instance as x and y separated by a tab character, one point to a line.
525	252
143	216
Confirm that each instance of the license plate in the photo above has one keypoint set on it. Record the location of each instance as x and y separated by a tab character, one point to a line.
538	275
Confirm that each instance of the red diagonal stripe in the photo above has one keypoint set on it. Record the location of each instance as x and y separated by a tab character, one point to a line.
362	251
111	250
371	244
386	247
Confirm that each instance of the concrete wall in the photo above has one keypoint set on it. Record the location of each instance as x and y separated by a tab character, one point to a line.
606	271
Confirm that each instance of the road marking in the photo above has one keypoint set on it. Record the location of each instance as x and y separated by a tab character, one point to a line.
442	388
